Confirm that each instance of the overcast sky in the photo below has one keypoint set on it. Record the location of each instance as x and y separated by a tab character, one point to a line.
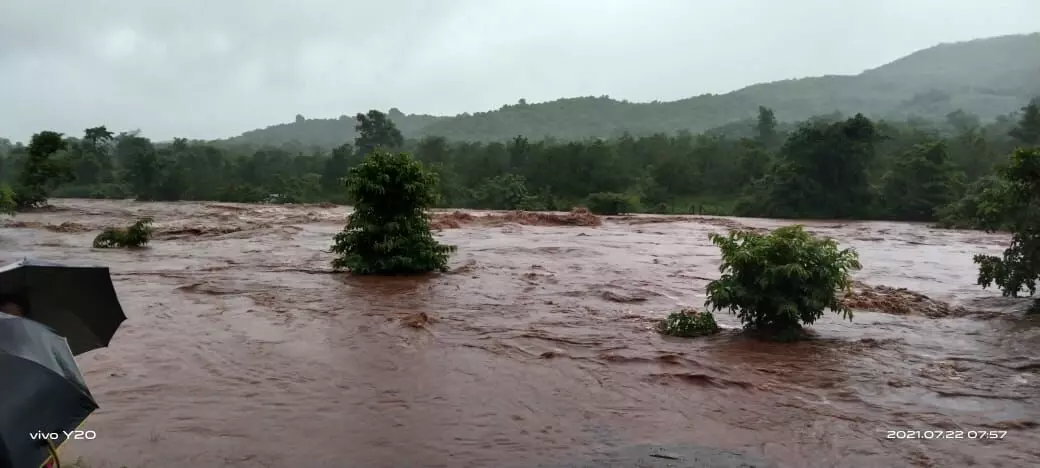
216	68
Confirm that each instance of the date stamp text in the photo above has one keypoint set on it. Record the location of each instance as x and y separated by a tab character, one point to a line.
938	434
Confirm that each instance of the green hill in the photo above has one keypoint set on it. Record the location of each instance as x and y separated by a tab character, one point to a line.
986	77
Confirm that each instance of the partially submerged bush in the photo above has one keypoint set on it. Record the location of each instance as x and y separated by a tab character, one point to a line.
689	323
606	203
389	231
136	235
775	282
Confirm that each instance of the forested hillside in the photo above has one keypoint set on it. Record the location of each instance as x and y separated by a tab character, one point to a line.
830	166
985	77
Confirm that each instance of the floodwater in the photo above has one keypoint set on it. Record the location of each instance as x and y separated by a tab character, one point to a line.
242	349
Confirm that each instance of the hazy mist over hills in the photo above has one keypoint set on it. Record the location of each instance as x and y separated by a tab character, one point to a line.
987	77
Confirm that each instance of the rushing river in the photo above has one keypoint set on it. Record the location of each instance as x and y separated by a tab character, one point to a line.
242	349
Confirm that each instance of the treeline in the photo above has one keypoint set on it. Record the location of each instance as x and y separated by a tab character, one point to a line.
828	167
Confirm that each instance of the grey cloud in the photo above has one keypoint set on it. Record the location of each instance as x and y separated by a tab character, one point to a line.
215	68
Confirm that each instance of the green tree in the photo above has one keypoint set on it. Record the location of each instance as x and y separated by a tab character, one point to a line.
376	130
962	121
1017	207
519	151
608	203
919	183
776	282
337	166
821	161
504	192
433	150
7	200
752	162
1028	130
979	206
140	164
766	127
42	172
389	232
91	160
971	151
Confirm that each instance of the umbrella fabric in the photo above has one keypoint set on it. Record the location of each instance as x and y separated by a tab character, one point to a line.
79	303
41	392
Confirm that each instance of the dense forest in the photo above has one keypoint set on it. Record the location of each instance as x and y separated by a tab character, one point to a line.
985	77
830	166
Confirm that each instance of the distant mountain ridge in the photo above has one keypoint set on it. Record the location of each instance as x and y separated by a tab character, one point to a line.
987	77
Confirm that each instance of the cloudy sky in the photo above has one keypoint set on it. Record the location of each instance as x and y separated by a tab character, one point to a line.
216	68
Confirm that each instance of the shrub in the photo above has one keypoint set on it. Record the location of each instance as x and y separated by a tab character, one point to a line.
7	200
504	192
608	203
976	208
776	282
689	323
136	235
389	231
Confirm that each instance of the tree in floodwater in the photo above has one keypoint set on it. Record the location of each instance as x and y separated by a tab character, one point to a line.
134	236
42	172
1018	208
389	232
778	281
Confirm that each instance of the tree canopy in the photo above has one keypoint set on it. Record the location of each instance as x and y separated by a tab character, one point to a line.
388	232
1015	205
829	166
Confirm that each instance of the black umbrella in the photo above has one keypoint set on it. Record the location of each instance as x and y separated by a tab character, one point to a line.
43	397
79	303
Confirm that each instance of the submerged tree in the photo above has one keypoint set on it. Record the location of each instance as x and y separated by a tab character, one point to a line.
134	236
1018	208
389	232
778	281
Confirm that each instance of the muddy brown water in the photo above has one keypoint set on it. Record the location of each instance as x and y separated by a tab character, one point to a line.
241	349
